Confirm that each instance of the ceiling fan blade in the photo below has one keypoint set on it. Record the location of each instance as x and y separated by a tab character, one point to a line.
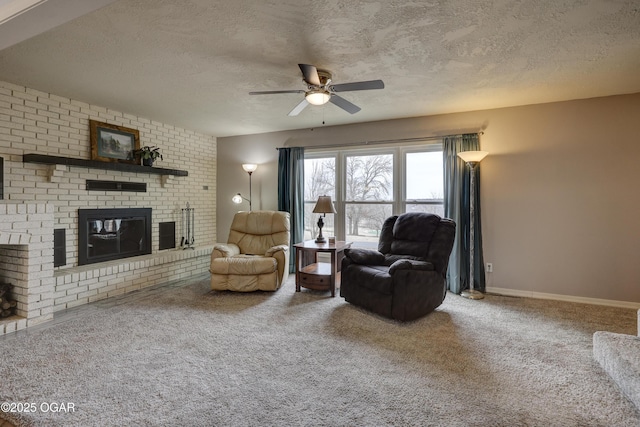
271	92
368	85
298	108
310	74
344	104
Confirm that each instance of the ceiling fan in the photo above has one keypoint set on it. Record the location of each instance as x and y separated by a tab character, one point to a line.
321	90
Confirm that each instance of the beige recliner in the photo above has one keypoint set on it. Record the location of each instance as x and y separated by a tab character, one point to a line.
256	255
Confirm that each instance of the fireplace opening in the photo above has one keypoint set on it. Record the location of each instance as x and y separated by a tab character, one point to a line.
108	234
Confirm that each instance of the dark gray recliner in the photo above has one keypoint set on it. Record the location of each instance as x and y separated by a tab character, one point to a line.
406	278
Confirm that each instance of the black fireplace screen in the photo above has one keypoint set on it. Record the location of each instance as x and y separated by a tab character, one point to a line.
108	234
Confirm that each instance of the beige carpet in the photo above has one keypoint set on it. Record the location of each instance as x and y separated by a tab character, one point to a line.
181	355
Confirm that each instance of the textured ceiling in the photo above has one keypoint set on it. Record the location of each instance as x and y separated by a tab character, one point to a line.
192	63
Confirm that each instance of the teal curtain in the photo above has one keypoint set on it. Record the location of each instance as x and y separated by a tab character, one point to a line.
291	194
456	207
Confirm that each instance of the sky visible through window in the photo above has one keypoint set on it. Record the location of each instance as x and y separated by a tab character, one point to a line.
424	176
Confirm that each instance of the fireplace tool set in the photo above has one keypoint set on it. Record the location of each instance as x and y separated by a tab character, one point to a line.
188	224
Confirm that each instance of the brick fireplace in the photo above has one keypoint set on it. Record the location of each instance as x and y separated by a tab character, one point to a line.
51	125
26	262
26	254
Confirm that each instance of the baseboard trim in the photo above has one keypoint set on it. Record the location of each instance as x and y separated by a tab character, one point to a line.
558	297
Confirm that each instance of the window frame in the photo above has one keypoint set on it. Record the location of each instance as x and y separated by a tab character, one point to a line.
399	153
430	202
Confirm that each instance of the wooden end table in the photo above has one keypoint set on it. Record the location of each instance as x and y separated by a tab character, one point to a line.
321	276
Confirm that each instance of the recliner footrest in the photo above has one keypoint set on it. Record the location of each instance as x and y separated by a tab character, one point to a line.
243	265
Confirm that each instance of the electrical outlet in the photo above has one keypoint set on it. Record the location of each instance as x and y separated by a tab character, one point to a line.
489	267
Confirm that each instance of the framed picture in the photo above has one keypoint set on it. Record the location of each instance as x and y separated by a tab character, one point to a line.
111	143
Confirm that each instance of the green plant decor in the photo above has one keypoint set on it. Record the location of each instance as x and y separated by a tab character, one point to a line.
148	154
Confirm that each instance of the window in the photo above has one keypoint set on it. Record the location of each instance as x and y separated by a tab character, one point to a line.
319	180
369	185
424	179
369	196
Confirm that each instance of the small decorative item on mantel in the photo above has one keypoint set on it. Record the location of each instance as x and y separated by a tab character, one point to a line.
148	155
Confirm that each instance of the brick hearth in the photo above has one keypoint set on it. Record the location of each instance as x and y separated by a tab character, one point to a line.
26	255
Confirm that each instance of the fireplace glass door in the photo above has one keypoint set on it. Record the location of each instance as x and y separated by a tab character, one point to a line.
108	234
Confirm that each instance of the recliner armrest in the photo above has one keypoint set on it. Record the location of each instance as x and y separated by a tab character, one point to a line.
227	249
410	264
273	249
364	256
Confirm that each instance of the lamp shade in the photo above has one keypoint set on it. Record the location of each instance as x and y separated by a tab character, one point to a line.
324	205
473	156
317	97
249	167
237	199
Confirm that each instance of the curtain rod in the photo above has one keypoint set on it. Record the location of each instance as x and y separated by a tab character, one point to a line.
384	141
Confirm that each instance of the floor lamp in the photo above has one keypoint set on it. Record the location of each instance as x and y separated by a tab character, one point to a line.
472	158
238	198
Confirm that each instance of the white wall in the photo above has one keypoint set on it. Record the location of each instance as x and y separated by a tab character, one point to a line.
560	200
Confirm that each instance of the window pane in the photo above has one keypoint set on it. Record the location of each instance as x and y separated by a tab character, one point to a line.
370	178
364	223
319	178
424	176
437	209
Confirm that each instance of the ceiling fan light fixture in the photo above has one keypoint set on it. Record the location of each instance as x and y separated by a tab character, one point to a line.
320	90
317	97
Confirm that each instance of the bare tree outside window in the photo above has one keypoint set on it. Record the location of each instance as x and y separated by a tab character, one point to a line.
367	184
368	179
319	180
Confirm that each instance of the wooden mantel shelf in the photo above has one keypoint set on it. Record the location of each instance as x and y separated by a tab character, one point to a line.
95	164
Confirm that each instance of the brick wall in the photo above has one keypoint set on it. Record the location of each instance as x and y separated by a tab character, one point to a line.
32	121
26	261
